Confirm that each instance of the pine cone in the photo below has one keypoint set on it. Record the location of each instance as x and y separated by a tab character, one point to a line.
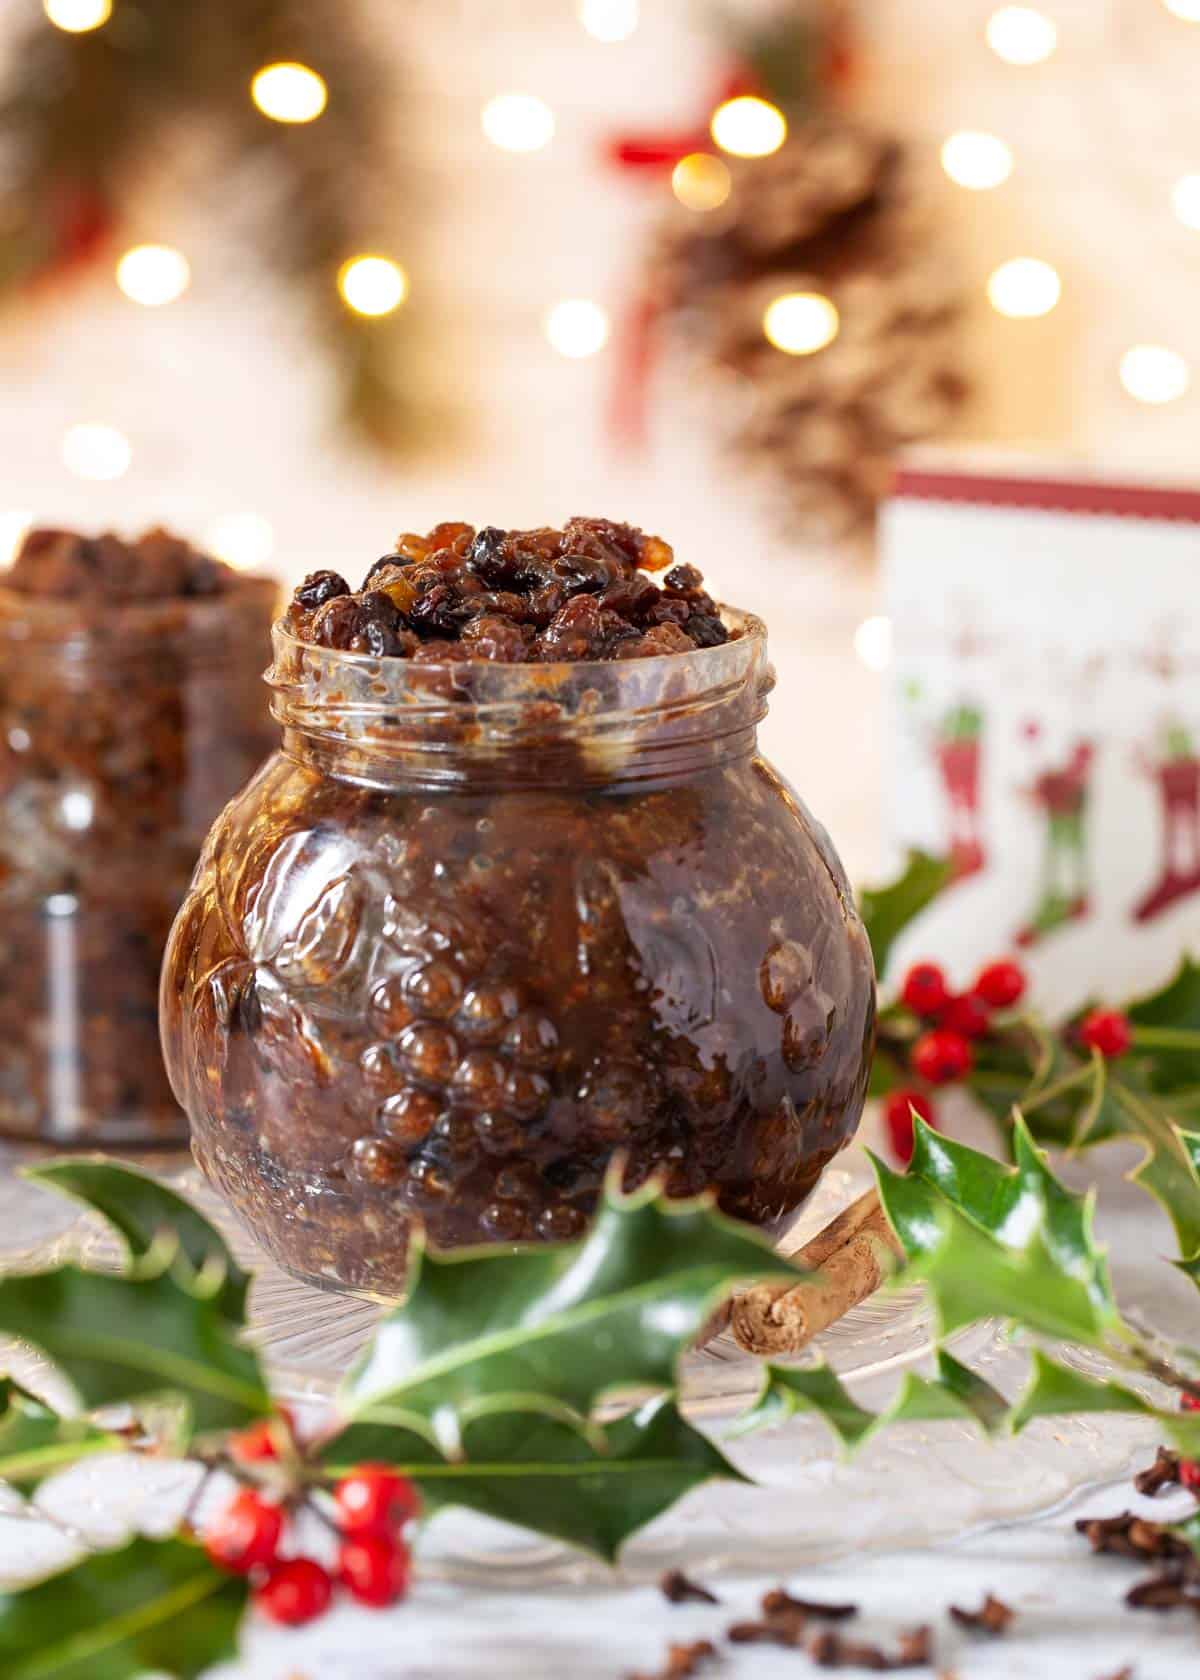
833	211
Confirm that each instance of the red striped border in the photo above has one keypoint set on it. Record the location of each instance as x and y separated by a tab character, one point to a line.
1054	495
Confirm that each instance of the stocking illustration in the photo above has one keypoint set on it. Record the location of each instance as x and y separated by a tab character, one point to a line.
1175	771
958	751
1061	795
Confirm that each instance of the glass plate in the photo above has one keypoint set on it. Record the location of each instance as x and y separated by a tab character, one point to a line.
916	1484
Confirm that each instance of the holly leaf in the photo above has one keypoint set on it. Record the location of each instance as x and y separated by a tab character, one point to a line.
35	1441
592	1488
1054	1390
887	911
1168	1023
132	1338
142	1211
555	1327
152	1607
954	1394
815	1388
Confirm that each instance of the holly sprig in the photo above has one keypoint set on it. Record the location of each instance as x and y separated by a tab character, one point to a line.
482	1389
1106	1073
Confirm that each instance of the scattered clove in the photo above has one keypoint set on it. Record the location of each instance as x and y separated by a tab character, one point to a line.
1166	1591
829	1649
993	1616
1163	1473
778	1602
676	1588
1121	1674
682	1661
1130	1536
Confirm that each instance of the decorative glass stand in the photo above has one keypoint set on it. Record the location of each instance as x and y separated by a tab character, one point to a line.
913	1485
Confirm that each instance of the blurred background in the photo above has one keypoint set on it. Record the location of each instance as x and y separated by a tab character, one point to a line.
295	275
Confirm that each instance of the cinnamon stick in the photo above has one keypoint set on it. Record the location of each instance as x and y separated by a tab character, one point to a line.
853	1254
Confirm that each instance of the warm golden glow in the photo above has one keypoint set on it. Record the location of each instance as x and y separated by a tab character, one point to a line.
153	275
1188	11
289	93
14	523
701	181
976	161
1021	35
372	285
1185	196
77	16
1153	374
749	127
243	540
96	452
577	327
801	322
518	122
1024	288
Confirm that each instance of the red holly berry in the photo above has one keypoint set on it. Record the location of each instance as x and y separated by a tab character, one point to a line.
374	1568
897	1117
246	1534
941	1057
296	1591
1001	984
1106	1030
260	1443
1189	1403
924	989
1189	1475
374	1499
968	1015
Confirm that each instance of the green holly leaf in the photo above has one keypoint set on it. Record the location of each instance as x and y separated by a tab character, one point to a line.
1054	1390
35	1441
1167	1022
142	1211
558	1326
152	1607
134	1338
815	1388
887	911
955	1394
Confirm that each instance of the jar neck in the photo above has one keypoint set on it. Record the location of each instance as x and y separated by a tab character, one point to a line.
391	724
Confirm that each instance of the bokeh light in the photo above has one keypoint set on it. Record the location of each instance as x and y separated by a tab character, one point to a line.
518	122
77	16
1185	197
701	181
577	327
289	93
609	20
801	322
1023	288
153	275
1021	35
977	161
749	127
243	540
372	285
873	642
1153	374
95	451
14	522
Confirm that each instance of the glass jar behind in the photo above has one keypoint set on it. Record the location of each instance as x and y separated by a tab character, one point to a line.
478	927
124	727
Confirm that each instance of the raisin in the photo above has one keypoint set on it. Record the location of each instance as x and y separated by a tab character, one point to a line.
574	632
429	1052
705	630
337	623
683	580
581	574
319	587
375	1162
486	1011
433	989
408	1117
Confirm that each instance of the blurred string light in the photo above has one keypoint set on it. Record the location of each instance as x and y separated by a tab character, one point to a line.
873	642
1153	374
14	522
1021	35
1185	196
577	327
153	275
518	122
749	127
1186	10
243	540
801	322
1024	288
372	285
976	160
701	181
77	16
289	93
96	452
609	20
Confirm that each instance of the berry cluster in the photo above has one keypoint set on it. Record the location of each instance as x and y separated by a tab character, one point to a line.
1189	1468
517	597
952	1023
372	1507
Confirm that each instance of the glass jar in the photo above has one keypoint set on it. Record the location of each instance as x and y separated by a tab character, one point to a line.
123	730
477	927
